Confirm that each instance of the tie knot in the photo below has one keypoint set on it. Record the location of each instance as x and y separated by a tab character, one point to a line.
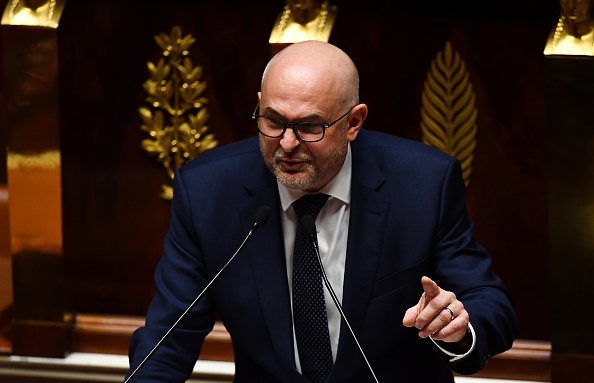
310	204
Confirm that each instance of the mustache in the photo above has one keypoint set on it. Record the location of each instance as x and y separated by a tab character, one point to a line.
280	155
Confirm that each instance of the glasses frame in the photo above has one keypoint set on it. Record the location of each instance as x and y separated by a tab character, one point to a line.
293	125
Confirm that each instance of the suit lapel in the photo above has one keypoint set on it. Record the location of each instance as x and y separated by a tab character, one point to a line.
267	259
369	210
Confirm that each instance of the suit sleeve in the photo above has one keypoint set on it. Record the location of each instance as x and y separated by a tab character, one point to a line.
180	276
463	266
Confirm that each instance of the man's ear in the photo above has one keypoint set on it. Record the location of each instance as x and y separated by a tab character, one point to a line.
356	118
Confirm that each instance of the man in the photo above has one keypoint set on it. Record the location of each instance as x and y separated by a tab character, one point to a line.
394	238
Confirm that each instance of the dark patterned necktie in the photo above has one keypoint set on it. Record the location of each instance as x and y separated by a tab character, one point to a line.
309	308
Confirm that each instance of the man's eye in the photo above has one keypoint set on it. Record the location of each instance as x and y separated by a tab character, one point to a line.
310	127
273	123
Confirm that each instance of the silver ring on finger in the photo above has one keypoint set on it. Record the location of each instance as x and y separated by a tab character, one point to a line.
451	313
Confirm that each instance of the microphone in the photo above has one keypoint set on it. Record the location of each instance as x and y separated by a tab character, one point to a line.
259	220
308	224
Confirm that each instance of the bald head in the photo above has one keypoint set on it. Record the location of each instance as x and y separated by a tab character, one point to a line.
315	64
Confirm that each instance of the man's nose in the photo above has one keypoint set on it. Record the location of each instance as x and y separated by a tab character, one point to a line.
289	140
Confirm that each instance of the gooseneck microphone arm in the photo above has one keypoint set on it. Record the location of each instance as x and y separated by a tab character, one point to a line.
308	224
259	220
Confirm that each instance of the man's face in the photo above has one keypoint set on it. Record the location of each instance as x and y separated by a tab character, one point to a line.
295	89
306	166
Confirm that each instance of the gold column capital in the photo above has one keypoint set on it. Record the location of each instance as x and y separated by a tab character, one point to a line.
43	13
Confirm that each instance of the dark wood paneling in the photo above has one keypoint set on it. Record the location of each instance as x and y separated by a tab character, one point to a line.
501	46
574	368
116	221
3	136
37	338
570	86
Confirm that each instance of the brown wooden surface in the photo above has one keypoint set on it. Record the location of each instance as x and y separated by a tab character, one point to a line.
108	334
111	335
527	360
114	220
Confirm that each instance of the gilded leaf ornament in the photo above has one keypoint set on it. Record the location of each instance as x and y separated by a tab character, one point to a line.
176	118
448	112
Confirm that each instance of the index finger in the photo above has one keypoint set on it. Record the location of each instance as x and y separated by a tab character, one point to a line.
430	287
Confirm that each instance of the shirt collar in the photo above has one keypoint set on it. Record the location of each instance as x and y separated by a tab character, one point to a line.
339	187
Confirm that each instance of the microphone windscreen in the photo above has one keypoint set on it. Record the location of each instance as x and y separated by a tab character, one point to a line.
262	215
308	224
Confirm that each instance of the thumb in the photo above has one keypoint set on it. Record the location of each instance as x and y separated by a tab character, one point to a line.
431	290
410	317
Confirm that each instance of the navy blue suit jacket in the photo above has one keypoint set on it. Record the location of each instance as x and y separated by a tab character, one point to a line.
408	219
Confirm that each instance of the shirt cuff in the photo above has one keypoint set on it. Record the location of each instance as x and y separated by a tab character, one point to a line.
454	356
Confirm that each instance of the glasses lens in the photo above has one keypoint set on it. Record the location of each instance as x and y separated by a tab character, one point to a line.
270	126
310	131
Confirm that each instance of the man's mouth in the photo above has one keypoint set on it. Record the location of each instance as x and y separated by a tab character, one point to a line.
291	164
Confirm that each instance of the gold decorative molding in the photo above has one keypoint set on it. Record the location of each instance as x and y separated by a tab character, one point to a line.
177	115
49	160
303	20
42	13
573	34
448	112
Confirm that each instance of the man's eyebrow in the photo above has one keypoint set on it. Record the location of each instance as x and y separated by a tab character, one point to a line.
269	111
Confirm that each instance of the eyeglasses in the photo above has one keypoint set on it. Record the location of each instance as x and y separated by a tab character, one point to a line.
304	130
